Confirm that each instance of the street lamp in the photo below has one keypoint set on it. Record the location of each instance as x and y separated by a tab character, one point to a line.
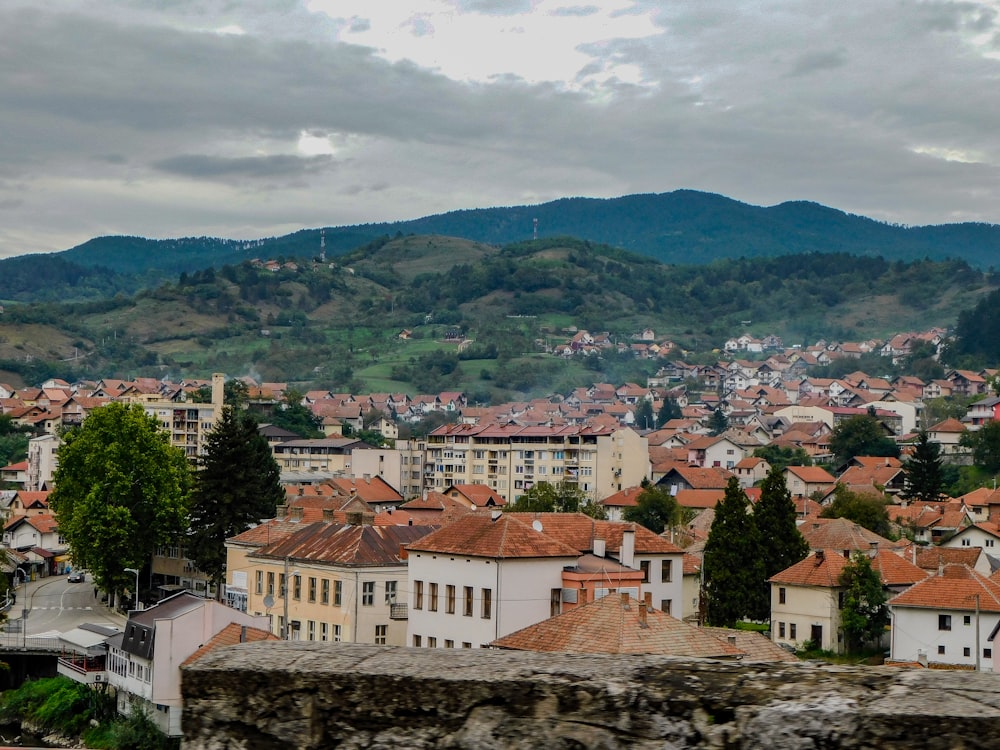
133	570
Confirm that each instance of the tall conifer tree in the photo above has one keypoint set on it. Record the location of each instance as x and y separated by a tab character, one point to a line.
923	469
782	545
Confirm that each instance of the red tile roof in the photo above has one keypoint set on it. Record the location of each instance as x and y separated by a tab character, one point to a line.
350	545
611	626
812	474
841	534
958	587
822	568
503	537
230	636
579	531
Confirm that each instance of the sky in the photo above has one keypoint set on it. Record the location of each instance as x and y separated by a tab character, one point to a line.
255	118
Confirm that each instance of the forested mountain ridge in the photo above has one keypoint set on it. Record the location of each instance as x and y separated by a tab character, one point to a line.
336	325
684	226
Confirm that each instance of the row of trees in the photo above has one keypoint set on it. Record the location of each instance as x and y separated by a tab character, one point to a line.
122	491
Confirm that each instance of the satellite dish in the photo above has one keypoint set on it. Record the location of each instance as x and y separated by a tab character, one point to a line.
536	525
268	601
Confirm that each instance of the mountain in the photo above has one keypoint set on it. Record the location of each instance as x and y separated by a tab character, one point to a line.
684	226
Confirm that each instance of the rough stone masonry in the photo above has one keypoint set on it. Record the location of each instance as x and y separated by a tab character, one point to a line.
332	695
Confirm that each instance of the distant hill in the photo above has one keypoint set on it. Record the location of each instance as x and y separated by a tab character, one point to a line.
683	227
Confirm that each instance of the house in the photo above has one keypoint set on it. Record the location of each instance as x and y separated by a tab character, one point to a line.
948	435
841	535
983	411
803	481
947	620
616	504
37	536
144	661
718	451
806	598
474	496
751	470
985	534
15	474
326	455
619	624
886	475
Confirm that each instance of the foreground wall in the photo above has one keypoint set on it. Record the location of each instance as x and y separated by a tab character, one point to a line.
324	695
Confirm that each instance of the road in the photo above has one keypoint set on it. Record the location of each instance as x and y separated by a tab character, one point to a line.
56	605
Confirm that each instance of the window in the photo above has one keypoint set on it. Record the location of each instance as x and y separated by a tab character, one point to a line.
781	595
312	589
989	542
390	592
644	567
432	642
791	630
666	571
338	593
966	651
987	653
381	633
466	644
555	602
270	583
336	633
418	641
324	591
324	631
449	599
418	594
297	588
944	622
781	630
966	542
467	610
940	649
840	599
968	620
487	604
260	581
432	597
310	630
367	593
449	643
665	605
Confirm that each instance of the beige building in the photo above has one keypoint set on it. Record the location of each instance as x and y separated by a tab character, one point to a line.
188	424
511	459
322	455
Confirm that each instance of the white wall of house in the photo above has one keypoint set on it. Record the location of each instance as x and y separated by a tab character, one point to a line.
942	636
805	607
973	536
520	593
691	596
671	568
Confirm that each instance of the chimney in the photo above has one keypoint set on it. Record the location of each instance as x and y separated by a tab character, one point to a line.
328	515
624	599
820	555
584	595
367	477
218	391
355	518
600	549
627	556
642	615
281	511
296	512
874	549
243	634
648	598
731	639
403	552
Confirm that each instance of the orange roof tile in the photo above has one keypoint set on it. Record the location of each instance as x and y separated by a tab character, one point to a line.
230	635
841	534
958	587
503	537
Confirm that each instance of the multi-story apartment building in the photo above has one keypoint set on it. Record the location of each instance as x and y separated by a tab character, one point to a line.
43	459
511	459
321	455
187	423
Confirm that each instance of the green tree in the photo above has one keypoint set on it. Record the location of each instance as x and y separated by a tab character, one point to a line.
291	414
864	614
655	508
644	415
732	564
782	545
237	485
924	473
865	510
544	497
781	457
717	423
121	491
862	435
13	441
985	446
670	409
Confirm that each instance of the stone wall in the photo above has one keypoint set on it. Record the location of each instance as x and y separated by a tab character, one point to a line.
325	695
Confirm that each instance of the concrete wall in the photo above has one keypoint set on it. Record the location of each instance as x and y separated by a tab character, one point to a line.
312	695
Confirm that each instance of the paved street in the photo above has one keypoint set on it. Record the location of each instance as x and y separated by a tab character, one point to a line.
55	605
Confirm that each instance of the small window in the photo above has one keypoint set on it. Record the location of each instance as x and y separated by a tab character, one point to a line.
381	633
312	589
644	567
665	605
390	592
338	593
449	643
967	620
940	649
467	605
944	622
791	631
368	593
781	630
432	597
418	641
466	644
666	571
966	651
987	653
324	591
487	604
418	594
449	592
432	642
781	595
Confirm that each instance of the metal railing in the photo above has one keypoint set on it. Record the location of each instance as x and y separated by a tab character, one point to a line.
17	642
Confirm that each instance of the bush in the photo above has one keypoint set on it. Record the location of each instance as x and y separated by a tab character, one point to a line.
56	704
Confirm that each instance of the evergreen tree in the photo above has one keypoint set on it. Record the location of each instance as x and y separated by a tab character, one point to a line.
924	472
865	614
865	510
670	409
237	485
782	545
644	415
717	423
732	564
655	508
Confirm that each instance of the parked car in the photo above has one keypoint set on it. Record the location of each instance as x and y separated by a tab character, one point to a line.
77	576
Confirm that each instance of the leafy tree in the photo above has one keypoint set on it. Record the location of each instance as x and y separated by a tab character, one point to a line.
644	415
781	457
121	491
655	508
669	410
732	564
774	515
237	485
985	446
862	435
291	414
865	510
717	423
865	614
924	472
13	441
544	497
234	393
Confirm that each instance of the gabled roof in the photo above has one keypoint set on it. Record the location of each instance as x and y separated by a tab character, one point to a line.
345	544
757	646
812	474
822	568
701	477
478	494
497	536
230	635
626	498
614	625
933	558
958	587
841	534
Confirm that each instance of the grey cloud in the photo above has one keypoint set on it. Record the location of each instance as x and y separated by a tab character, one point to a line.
813	62
202	166
576	10
494	7
358	25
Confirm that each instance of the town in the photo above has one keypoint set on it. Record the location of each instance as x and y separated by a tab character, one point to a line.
526	526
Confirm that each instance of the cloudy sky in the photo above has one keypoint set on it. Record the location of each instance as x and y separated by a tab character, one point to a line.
251	118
